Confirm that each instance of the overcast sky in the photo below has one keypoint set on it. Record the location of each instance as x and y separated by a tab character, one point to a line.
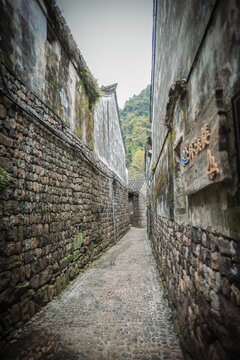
115	39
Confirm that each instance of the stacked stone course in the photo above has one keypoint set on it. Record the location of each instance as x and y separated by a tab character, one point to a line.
138	218
57	213
200	271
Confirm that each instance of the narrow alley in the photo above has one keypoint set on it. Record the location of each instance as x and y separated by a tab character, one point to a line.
113	310
83	160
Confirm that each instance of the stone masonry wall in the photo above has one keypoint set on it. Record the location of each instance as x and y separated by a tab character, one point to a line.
57	210
193	174
200	271
138	217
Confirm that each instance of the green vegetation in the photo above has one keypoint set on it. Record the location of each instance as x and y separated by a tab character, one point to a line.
136	128
90	85
5	178
78	239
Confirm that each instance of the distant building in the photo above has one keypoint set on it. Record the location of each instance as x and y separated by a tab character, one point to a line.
108	138
137	202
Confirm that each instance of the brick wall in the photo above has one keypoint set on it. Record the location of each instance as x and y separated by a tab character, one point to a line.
57	211
200	271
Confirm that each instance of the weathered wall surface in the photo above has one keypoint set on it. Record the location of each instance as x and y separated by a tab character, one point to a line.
40	50
108	139
185	26
137	201
57	214
62	205
200	271
137	210
216	69
193	174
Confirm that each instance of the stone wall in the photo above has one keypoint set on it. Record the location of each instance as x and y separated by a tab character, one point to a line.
137	201
137	210
60	205
38	47
57	210
200	270
193	170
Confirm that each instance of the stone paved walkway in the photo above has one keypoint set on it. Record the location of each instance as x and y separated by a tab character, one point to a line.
114	310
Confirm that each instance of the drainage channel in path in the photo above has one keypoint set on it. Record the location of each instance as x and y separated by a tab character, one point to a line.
114	310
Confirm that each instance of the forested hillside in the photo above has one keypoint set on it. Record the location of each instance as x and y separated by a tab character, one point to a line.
136	127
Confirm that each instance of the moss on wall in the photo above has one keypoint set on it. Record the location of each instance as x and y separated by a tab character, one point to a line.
170	195
80	107
89	130
5	179
78	240
84	116
53	82
90	86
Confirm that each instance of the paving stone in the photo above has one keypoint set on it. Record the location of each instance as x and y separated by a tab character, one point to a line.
114	310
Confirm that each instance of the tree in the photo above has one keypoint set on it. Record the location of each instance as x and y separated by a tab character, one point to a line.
136	168
136	128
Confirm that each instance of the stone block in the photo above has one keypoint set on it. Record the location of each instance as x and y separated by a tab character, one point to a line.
10	249
5	278
55	267
5	140
214	297
224	246
225	264
10	296
225	286
235	295
32	308
13	234
35	282
231	316
214	262
15	313
27	270
41	297
51	292
65	261
2	150
6	164
218	281
11	207
87	240
3	111
230	269
63	281
36	266
45	275
10	263
58	285
16	274
196	279
25	310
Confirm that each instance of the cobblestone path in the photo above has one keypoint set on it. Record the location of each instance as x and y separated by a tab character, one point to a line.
114	310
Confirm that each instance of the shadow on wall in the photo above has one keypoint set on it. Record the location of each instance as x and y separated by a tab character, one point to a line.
137	202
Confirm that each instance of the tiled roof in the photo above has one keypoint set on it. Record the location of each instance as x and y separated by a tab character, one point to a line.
135	185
